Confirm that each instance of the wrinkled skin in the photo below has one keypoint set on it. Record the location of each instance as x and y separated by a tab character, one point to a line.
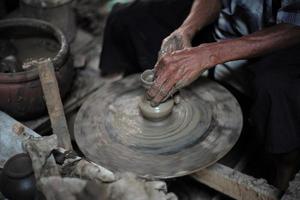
179	64
178	69
175	41
181	67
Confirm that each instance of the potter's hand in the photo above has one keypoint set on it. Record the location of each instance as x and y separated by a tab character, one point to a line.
178	69
175	41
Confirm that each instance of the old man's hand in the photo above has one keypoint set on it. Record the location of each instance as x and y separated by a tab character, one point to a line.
175	41
178	69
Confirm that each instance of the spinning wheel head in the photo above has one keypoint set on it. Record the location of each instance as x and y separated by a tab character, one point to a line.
111	130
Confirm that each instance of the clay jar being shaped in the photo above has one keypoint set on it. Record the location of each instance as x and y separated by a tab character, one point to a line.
17	179
156	113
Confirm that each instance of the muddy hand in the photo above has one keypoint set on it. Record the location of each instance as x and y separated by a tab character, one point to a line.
175	41
179	69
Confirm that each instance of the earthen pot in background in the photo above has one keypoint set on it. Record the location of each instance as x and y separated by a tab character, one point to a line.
21	93
60	13
17	181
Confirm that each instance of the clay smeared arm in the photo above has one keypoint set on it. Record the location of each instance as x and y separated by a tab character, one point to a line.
180	68
203	12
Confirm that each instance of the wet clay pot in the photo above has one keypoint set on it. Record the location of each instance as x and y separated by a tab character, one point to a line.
153	113
21	92
17	179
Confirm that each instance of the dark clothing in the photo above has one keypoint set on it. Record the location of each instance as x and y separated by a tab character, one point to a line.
131	45
133	37
134	33
242	17
276	94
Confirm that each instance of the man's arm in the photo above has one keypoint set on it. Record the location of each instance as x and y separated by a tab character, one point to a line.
203	12
257	44
182	67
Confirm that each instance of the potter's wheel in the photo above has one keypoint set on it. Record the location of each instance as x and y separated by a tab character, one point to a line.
203	127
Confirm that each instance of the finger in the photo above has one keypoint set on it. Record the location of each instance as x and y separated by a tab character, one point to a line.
171	93
171	48
162	51
164	91
155	88
164	47
157	69
168	88
159	64
181	73
171	44
177	42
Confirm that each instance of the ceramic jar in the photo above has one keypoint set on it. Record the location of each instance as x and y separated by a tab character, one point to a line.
17	181
21	92
154	113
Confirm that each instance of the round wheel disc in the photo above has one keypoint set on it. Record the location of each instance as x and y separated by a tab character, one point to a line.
111	131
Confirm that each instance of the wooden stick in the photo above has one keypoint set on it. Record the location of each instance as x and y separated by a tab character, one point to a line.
54	103
236	184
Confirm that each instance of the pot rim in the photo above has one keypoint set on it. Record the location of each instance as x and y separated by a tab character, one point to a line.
46	7
144	77
58	60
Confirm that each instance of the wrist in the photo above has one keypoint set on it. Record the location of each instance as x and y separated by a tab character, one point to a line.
211	53
233	49
224	51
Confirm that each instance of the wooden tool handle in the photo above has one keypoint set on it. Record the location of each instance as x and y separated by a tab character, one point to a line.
54	103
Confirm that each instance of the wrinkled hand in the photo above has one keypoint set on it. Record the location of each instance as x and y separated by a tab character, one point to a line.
175	41
178	69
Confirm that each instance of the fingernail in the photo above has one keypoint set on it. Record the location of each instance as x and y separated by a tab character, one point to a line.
177	99
154	104
148	97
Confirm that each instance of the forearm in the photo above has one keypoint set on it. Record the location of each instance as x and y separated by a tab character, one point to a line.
182	67
203	12
254	45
